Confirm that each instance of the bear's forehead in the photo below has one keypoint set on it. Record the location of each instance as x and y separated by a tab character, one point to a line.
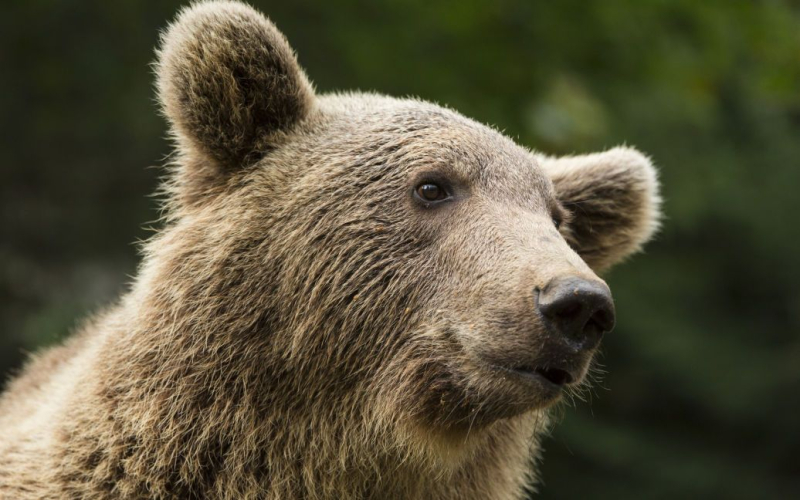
410	135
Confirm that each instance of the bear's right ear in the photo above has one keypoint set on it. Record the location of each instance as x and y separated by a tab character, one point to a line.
228	83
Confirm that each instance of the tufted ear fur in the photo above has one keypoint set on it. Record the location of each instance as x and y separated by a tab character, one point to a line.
613	200
228	83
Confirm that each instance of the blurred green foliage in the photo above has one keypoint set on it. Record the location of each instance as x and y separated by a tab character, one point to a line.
704	368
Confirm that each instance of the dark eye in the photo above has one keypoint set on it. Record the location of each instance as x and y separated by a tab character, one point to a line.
431	192
557	221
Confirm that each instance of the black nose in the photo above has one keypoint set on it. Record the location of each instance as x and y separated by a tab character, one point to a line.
580	309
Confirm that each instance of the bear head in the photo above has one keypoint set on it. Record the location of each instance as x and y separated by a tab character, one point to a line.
386	258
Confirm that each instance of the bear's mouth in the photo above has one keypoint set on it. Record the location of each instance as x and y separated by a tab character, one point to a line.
555	376
547	375
520	385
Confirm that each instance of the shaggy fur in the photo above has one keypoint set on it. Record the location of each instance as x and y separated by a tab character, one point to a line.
304	327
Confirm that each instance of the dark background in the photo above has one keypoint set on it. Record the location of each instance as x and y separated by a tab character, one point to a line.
702	395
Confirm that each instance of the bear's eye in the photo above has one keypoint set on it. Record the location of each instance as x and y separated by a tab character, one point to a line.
560	216
429	191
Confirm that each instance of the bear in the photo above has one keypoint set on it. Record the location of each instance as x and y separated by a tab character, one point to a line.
352	296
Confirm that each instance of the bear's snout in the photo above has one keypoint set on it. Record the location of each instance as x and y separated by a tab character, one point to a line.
579	310
540	357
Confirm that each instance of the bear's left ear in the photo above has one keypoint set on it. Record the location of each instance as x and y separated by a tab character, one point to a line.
229	84
613	199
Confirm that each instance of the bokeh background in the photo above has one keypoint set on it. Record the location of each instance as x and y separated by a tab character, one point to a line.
702	395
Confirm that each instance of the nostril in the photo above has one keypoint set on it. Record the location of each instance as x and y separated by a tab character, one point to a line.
567	309
559	305
602	321
563	305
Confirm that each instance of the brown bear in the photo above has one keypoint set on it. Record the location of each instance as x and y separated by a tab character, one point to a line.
353	296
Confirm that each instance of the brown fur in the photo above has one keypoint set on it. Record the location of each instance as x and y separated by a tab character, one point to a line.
302	328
